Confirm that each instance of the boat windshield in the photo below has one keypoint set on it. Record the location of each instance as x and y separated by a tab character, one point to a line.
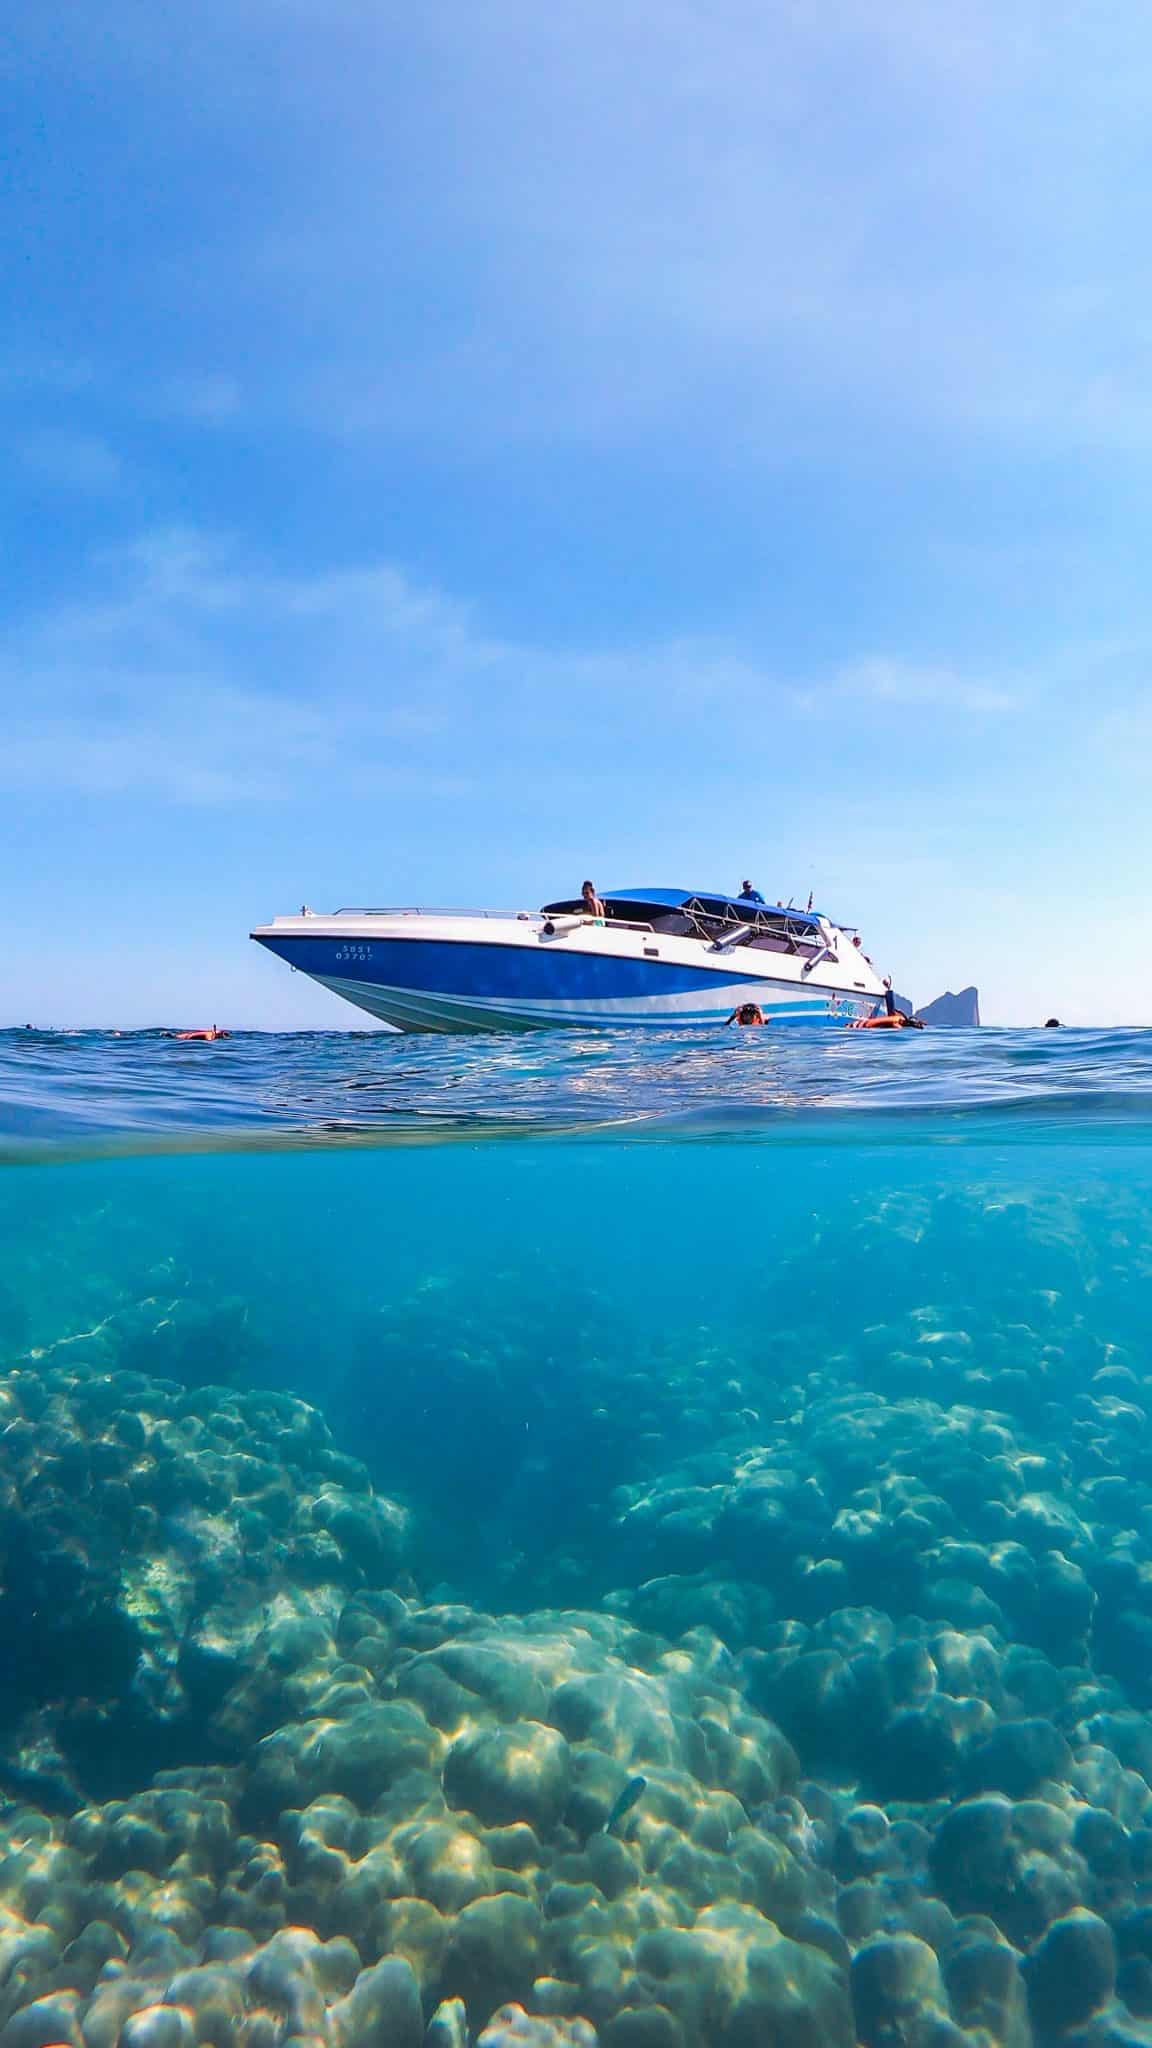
705	915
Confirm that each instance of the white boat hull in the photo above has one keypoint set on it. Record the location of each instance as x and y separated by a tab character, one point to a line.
455	973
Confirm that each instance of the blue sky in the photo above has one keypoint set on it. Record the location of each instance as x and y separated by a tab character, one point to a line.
450	451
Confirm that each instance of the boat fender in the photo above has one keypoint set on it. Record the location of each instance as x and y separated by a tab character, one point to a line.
549	928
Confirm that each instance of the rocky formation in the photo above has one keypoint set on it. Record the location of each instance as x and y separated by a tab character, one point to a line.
875	1676
957	1012
151	1535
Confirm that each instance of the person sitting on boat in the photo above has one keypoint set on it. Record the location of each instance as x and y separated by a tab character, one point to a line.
593	904
748	894
747	1013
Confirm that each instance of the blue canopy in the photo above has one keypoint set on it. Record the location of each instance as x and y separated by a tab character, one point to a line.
668	899
672	899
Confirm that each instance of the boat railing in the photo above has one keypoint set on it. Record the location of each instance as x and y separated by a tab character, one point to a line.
764	922
569	920
423	910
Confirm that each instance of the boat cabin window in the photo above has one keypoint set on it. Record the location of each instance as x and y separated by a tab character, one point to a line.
712	919
770	927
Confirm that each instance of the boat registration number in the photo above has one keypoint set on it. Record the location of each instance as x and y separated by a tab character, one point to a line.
350	951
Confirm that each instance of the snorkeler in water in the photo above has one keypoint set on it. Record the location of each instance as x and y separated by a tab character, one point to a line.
887	1020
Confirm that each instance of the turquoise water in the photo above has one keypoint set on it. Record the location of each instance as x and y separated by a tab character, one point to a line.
659	1537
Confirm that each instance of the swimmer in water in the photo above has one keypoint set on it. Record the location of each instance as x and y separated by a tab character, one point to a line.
887	1020
747	1013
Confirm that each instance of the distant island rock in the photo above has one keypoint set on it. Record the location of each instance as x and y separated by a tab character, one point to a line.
955	1011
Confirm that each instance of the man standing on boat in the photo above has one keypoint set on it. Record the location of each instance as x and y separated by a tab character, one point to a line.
748	894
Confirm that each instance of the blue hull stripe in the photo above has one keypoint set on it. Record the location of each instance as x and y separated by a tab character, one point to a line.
398	1006
436	985
451	967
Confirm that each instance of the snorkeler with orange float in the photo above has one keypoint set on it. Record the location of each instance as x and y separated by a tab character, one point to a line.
889	1018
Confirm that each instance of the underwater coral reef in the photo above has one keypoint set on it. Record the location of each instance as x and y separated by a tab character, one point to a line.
844	1737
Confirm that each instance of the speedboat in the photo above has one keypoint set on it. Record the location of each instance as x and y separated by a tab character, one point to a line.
663	957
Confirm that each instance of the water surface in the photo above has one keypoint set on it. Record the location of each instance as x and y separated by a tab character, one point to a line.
57	1085
768	1420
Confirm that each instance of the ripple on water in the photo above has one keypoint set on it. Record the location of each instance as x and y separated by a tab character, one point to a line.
76	1084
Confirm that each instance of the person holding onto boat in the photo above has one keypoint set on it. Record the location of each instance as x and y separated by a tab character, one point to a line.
593	904
747	1013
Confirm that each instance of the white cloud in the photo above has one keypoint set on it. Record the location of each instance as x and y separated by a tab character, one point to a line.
771	228
790	221
198	396
71	462
896	682
59	376
192	670
191	675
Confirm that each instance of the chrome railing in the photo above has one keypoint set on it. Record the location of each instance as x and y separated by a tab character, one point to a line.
565	919
420	910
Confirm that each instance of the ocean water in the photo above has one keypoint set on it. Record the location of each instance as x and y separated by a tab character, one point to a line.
534	1536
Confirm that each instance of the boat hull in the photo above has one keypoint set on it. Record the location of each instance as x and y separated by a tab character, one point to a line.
427	984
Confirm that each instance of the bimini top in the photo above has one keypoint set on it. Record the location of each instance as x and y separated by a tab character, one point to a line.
714	902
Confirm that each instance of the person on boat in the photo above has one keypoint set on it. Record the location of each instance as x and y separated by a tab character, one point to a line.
747	1013
748	894
593	904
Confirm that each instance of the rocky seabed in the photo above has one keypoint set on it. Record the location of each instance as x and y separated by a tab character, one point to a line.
882	1656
